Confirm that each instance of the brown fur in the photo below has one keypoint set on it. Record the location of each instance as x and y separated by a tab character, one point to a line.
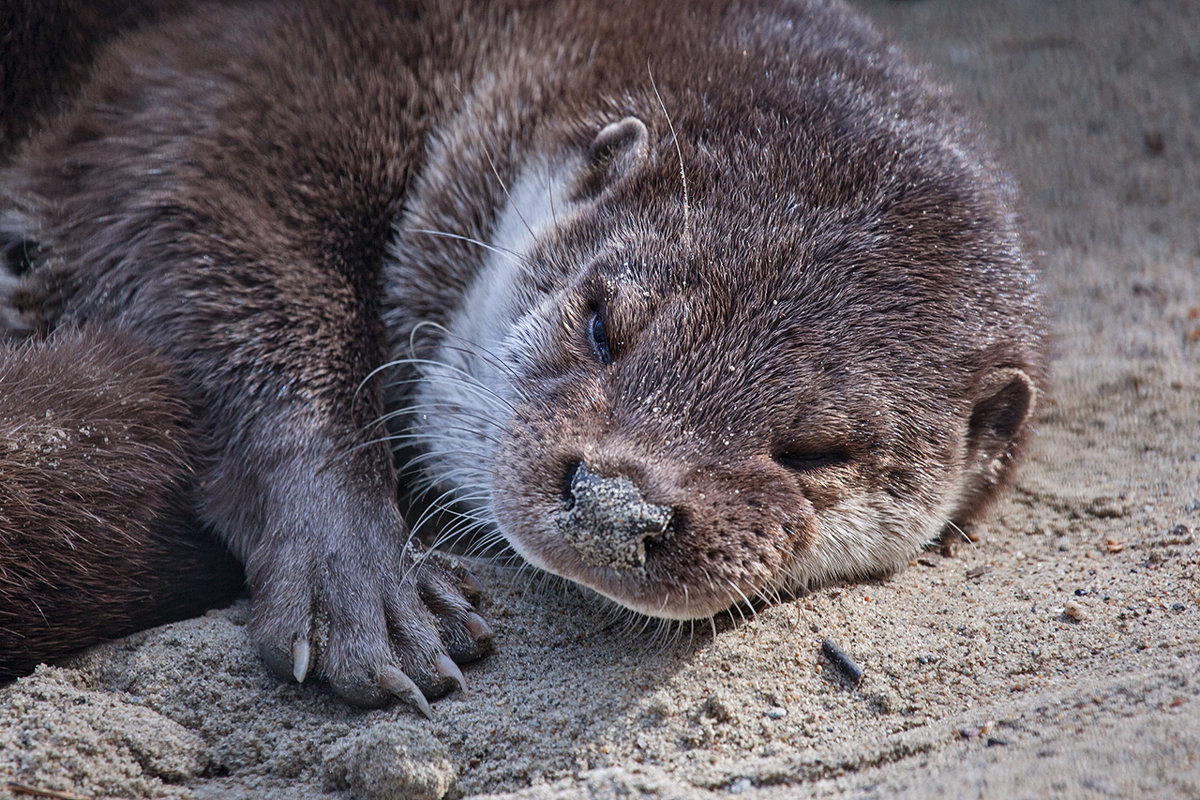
837	310
97	487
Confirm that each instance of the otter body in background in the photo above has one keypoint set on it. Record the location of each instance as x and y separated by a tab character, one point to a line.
98	527
690	303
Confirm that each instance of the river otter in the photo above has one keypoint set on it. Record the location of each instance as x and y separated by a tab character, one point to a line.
691	302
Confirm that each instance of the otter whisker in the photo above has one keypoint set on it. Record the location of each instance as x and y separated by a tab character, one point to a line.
369	376
504	186
452	491
460	502
412	536
437	507
666	634
409	437
471	434
432	454
472	483
733	605
491	397
512	203
457	531
472	477
435	406
424	374
687	231
745	601
452	506
472	347
461	494
457	496
460	530
646	620
511	255
550	195
963	534
465	522
489	401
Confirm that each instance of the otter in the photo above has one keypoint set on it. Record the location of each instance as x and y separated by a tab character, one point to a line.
690	303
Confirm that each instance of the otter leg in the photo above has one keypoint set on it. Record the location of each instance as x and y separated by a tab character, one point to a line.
276	342
337	586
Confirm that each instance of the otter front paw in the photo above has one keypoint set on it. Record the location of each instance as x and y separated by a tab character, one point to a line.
374	622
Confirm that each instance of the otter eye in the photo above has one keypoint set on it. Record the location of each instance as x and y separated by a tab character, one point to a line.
810	461
599	335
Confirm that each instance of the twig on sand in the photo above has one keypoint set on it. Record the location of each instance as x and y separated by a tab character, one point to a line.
21	788
852	673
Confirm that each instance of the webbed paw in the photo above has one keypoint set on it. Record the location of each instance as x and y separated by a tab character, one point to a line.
376	623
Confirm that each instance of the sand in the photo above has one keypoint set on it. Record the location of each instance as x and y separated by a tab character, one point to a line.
1058	656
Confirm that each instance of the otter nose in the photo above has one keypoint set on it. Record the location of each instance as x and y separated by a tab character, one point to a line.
608	521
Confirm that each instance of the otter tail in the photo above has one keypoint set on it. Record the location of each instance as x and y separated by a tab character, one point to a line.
98	537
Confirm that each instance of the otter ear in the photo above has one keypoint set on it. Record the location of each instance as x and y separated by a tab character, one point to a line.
620	143
1003	404
616	150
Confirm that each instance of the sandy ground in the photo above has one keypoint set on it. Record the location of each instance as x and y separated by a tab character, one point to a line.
1059	656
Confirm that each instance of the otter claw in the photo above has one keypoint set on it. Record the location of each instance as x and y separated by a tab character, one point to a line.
448	669
471	587
478	627
397	683
301	655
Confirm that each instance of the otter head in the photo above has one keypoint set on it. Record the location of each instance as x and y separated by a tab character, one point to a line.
799	369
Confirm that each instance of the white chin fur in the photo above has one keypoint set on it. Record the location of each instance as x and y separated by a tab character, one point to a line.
868	536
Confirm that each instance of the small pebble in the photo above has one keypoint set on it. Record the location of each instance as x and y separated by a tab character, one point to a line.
775	712
740	785
1075	611
982	730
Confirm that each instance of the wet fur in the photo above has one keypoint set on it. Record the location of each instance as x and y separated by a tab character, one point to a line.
277	199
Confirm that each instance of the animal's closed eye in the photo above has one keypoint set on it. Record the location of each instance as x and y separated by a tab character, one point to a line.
811	460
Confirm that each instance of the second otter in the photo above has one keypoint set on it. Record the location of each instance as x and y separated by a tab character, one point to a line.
693	304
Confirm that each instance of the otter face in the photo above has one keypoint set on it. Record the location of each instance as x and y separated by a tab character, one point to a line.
770	389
